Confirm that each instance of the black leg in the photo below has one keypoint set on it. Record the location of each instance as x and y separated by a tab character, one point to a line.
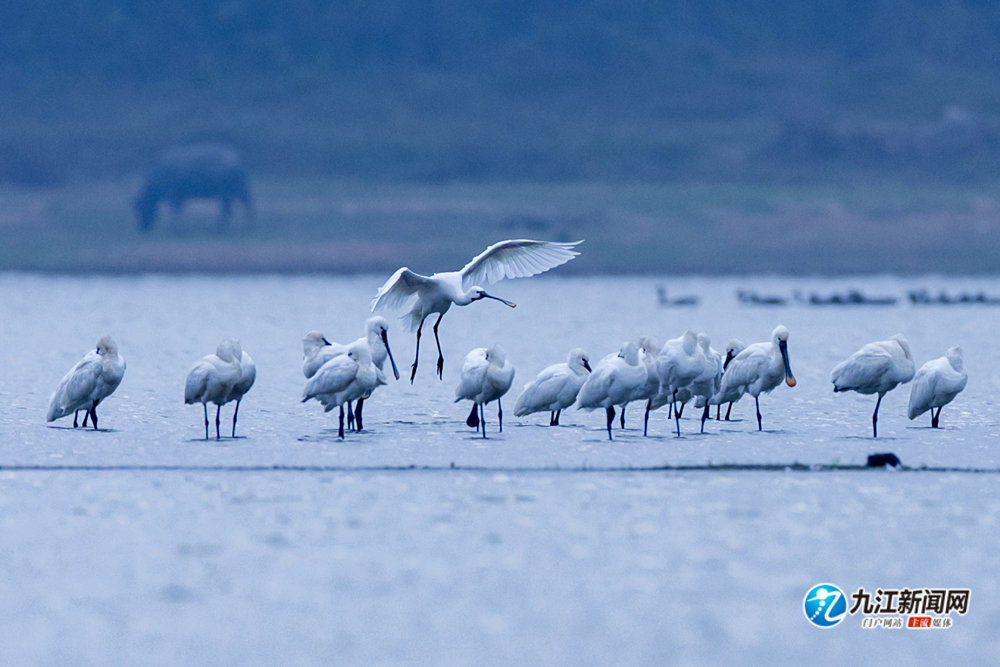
93	415
357	412
728	410
440	365
340	431
621	418
500	414
75	415
677	413
204	406
704	416
756	401
472	421
482	417
236	412
218	410
718	412
935	417
556	423
416	356
645	419
875	417
552	418
611	419
350	416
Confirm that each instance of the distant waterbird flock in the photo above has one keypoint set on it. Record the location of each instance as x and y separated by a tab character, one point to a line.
681	370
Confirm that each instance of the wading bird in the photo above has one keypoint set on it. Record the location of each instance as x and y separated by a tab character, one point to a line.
876	368
436	293
317	350
936	384
90	381
614	381
344	378
213	378
486	376
555	388
759	368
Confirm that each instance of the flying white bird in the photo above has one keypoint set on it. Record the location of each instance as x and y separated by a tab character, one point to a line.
759	368
555	388
91	380
344	378
248	374
317	350
213	378
936	384
486	376
436	293
876	368
614	381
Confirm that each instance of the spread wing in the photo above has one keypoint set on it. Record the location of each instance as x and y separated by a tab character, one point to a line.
398	289
516	259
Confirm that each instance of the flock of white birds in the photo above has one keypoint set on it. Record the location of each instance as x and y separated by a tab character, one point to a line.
679	371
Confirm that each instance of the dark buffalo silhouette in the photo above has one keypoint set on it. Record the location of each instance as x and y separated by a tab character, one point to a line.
198	171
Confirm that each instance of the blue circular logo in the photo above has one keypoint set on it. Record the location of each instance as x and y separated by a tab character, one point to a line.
825	605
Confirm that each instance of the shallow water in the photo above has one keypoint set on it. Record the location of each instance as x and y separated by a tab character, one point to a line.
418	541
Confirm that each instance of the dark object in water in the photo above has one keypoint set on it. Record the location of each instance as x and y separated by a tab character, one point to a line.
752	298
663	300
196	171
884	459
851	298
922	297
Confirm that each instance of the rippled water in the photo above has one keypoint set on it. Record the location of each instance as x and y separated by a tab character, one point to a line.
417	541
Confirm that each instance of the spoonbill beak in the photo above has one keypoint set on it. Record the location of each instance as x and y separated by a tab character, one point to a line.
385	339
503	301
789	378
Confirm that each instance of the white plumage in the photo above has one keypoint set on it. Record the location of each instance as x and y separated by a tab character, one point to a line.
486	376
555	388
248	375
90	381
317	350
614	381
344	378
936	384
758	369
681	363
436	293
876	368
213	379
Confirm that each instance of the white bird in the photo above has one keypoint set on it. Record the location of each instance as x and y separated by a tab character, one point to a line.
759	368
707	384
486	376
213	378
614	381
734	394
317	350
344	378
649	348
936	384
248	374
680	363
876	368
555	388
91	380
436	293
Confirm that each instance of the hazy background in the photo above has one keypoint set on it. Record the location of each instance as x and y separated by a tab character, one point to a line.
701	137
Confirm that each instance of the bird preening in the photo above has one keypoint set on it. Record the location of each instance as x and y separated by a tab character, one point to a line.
220	378
436	293
90	381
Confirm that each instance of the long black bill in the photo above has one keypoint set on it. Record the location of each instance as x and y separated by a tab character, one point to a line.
789	378
385	339
503	301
